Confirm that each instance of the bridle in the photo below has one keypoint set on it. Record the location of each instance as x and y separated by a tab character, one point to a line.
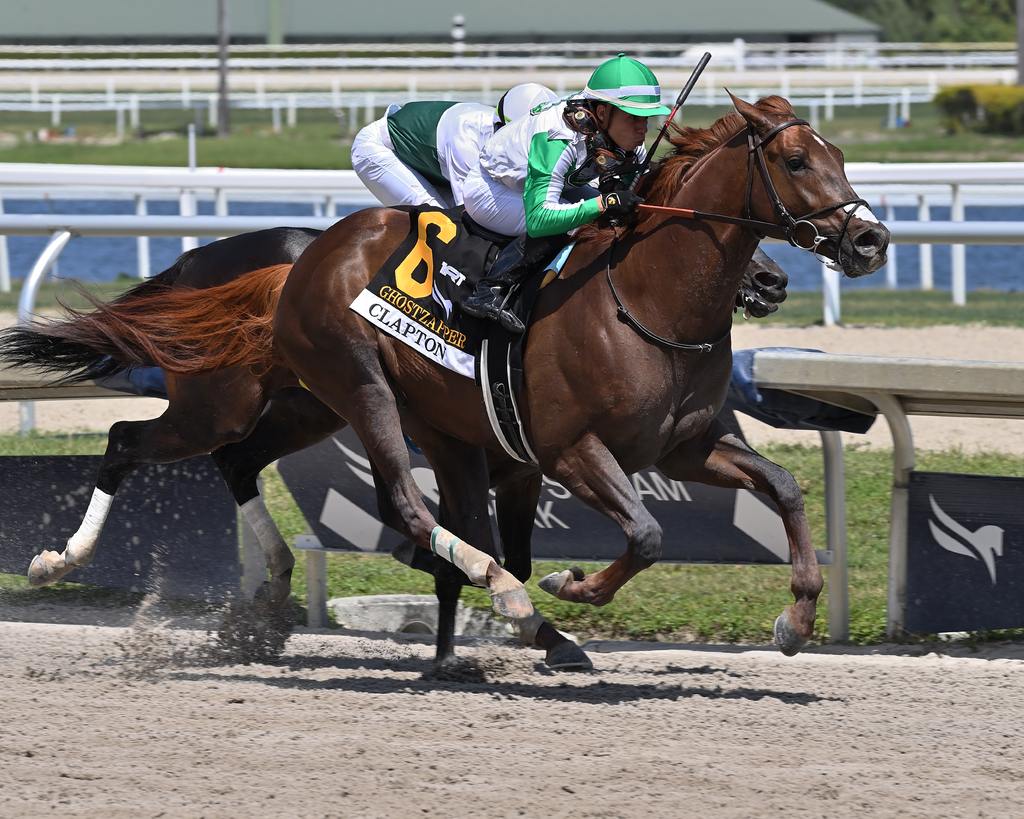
791	226
792	229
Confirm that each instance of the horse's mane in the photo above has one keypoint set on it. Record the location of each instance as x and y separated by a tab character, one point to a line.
689	145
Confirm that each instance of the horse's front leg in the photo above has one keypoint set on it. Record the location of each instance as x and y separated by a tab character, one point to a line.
720	458
591	473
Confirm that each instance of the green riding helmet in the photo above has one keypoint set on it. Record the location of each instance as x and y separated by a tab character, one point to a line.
627	84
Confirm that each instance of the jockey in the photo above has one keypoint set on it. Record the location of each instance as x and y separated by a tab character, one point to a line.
534	177
420	153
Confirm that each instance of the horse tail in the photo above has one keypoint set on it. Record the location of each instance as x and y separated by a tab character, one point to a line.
179	329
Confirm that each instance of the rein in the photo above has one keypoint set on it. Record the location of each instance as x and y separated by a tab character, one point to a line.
645	332
788	228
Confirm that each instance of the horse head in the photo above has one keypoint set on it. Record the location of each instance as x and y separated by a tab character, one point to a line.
797	180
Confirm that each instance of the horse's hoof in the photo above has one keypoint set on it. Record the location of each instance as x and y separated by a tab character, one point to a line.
555	582
577	573
787	638
48	567
512	603
508	596
568	656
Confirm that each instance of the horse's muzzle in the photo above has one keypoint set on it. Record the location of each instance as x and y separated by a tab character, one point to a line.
864	248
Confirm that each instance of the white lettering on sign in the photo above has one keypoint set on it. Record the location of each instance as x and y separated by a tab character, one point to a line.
546	518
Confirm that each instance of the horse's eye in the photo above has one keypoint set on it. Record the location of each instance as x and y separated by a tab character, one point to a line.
795	163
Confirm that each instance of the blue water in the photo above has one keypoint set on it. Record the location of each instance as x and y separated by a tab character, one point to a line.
992	267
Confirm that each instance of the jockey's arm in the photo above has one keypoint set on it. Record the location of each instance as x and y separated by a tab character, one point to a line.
547	214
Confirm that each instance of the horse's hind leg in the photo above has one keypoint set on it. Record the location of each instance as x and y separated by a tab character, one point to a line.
293	420
720	458
203	413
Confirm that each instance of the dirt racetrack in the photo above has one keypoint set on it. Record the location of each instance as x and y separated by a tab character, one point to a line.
138	722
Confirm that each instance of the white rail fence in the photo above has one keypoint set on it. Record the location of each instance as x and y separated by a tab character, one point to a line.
885	185
738	53
357	108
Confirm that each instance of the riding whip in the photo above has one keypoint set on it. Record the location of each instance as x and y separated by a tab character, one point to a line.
690	83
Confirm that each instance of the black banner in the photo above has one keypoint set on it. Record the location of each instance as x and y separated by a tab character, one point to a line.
174	525
965	553
333	486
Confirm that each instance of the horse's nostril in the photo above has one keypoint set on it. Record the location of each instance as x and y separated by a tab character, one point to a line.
870	242
771	278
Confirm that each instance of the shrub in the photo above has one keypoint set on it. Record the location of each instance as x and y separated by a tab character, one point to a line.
994	109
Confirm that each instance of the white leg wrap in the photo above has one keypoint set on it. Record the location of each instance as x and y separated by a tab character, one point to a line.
82	544
459	553
275	550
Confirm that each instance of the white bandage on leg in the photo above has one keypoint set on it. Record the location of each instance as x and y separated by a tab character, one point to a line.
275	550
459	553
82	544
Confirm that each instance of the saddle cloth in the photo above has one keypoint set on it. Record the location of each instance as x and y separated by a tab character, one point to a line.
415	295
414	298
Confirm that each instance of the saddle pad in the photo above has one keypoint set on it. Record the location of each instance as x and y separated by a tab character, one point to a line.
415	295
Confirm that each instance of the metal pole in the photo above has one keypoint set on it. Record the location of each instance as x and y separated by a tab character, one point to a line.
958	253
924	214
223	38
142	242
830	294
27	305
891	278
187	198
903	465
835	525
5	261
316	588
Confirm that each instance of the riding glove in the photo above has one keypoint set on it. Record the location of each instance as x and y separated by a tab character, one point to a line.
620	205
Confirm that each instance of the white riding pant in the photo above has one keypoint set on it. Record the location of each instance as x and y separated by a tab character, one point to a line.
493	205
375	163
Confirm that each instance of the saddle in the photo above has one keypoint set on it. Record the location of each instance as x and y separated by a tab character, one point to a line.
415	298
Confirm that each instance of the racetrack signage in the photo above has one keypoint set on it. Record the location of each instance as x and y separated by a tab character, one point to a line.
333	486
171	527
965	553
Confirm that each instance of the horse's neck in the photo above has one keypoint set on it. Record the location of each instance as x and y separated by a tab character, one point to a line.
690	271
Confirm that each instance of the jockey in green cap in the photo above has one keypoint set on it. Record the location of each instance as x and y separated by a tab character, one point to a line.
547	174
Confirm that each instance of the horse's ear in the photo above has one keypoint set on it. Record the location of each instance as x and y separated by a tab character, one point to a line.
754	116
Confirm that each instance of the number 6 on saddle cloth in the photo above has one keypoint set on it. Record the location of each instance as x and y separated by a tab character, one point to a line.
414	298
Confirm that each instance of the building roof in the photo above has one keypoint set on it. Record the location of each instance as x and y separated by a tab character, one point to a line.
425	20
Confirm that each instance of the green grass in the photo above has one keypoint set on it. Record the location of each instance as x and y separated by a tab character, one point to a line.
904	308
320	140
666	602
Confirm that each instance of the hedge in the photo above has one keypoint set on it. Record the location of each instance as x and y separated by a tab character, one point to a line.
993	109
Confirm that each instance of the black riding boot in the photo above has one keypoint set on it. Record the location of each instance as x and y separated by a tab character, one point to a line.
515	262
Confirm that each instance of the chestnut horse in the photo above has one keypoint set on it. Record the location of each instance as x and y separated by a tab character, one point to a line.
603	397
627	403
608	391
